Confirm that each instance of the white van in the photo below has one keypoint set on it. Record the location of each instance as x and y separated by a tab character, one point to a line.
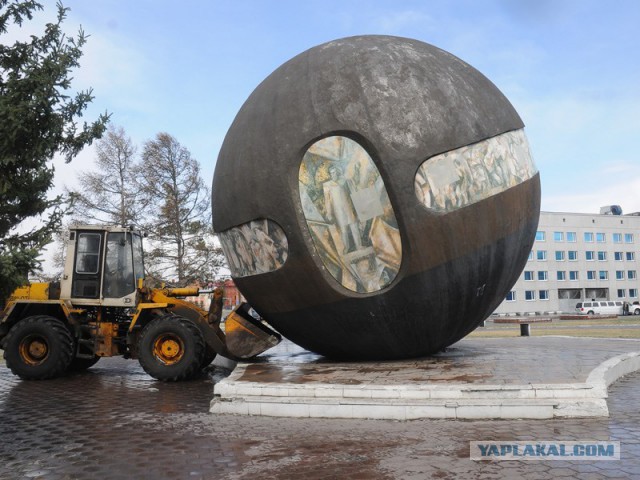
602	307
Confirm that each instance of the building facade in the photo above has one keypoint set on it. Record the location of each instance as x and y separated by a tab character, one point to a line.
578	257
231	299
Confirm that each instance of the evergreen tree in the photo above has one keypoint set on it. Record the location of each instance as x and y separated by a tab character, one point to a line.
38	119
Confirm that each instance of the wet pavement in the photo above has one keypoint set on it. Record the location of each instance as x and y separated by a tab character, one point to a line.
116	422
482	361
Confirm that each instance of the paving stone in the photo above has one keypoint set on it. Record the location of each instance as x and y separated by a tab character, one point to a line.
116	422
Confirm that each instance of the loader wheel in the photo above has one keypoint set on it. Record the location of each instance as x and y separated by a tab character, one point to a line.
171	348
82	364
38	347
209	356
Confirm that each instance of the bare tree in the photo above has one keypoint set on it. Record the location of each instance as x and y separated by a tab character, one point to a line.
110	195
179	215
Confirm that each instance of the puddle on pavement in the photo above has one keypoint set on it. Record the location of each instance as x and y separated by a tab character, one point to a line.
356	374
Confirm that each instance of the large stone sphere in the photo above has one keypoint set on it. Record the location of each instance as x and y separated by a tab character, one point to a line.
375	198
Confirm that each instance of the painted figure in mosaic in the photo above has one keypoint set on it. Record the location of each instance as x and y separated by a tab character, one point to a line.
255	247
339	208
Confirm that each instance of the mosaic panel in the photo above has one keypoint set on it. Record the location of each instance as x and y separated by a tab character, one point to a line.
259	246
349	215
470	174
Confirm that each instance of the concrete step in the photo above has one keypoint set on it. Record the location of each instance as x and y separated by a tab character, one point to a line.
430	400
410	409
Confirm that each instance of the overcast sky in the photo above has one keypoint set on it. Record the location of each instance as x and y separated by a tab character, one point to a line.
570	68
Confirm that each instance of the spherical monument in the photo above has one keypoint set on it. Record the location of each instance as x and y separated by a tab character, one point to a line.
376	198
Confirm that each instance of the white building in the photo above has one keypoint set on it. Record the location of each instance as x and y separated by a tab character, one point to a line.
578	256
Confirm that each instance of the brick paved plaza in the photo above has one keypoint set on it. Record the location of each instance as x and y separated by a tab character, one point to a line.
116	422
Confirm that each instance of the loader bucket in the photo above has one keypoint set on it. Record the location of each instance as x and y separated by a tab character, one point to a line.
246	336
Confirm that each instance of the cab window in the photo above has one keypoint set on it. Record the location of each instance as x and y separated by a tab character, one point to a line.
88	253
118	271
138	263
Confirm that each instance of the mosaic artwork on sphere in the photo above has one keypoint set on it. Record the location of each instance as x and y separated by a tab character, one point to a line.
469	174
259	246
349	215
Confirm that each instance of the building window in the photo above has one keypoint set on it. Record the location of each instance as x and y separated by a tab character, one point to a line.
543	275
540	236
559	256
571	237
561	275
633	293
530	255
618	256
588	237
572	255
558	236
619	274
511	296
631	274
543	294
601	237
603	275
628	238
528	275
631	256
573	275
570	293
591	274
541	255
529	295
617	238
590	255
602	256
621	293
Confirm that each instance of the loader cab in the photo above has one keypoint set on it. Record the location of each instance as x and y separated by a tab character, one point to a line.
103	266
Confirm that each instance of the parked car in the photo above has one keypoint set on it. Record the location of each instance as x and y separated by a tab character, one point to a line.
634	308
602	307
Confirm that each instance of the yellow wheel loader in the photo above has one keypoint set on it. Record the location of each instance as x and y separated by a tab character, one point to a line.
101	308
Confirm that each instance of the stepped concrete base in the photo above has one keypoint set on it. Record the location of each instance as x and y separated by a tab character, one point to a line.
539	377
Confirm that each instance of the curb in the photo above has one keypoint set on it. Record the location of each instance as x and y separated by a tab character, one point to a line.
408	402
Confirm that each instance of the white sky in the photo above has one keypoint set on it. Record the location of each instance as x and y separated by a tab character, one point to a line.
571	68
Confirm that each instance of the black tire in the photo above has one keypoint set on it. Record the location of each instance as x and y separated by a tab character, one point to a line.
590	312
171	348
82	364
636	311
209	356
38	347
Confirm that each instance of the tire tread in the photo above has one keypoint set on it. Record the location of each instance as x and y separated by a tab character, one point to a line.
149	363
64	341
